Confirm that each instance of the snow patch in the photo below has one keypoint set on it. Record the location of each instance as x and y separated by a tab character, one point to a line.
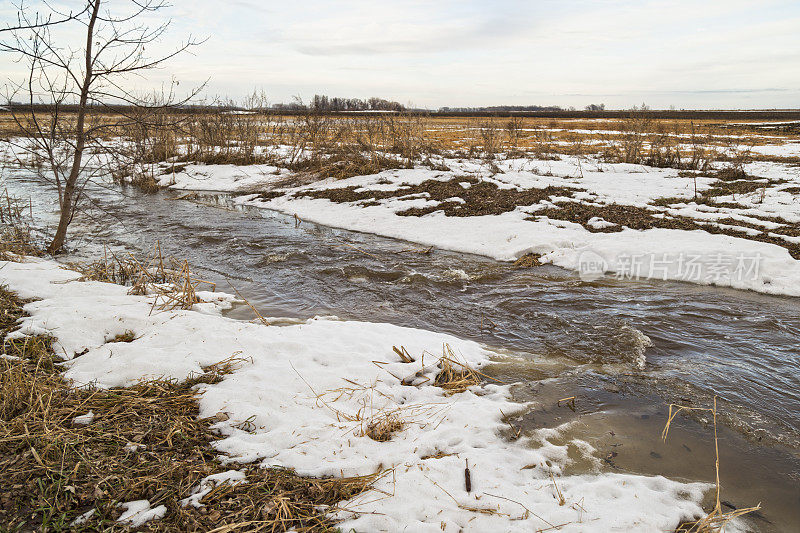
138	512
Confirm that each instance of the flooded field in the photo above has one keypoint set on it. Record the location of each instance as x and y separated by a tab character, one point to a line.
564	337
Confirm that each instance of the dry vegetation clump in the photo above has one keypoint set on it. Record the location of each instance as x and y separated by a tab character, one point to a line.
659	144
378	422
528	260
126	336
169	279
716	520
149	135
315	143
17	236
381	428
451	373
455	376
144	442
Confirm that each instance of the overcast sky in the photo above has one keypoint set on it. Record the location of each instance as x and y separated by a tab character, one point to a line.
687	54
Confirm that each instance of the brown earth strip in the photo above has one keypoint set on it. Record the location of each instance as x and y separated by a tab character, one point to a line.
480	197
640	218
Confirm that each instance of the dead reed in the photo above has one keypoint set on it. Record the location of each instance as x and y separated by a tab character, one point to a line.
714	521
455	376
169	280
17	234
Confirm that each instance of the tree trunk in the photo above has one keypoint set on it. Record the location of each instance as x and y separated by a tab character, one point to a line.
68	202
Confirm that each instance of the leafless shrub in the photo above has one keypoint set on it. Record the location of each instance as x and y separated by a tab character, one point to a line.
513	128
70	146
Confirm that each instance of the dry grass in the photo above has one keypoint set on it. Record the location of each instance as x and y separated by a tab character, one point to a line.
169	279
318	146
126	336
452	374
383	426
528	260
145	442
455	376
714	521
17	236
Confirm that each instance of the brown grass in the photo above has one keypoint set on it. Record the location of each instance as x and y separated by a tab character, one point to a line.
341	146
383	426
171	280
455	376
126	336
145	442
17	236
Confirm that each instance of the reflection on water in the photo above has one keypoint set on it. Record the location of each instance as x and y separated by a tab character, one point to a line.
624	427
741	346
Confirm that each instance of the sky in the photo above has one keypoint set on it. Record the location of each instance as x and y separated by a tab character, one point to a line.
731	54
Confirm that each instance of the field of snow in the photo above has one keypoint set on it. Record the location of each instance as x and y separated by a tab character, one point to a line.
739	259
304	395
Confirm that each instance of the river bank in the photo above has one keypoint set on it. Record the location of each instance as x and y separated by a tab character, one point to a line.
301	270
338	378
622	220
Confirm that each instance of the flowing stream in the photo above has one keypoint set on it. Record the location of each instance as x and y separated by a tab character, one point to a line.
564	337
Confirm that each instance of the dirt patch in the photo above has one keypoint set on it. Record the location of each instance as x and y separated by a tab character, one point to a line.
479	197
621	215
728	188
640	218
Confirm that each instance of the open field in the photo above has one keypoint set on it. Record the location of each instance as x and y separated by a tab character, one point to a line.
561	189
699	201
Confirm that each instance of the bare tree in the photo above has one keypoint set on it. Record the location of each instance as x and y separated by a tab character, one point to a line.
78	93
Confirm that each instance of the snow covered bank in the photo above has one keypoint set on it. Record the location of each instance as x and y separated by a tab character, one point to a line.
725	249
230	178
305	396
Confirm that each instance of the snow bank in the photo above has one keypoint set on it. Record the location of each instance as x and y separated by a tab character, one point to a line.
229	178
305	395
670	254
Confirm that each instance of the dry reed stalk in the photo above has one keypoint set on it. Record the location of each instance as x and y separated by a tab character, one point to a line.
455	376
715	521
170	281
17	235
376	415
403	354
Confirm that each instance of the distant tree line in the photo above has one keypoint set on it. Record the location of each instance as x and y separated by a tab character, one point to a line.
321	102
517	108
500	109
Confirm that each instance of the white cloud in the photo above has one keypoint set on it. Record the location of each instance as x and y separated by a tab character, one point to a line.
732	53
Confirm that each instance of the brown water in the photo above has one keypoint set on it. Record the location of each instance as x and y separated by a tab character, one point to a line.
570	338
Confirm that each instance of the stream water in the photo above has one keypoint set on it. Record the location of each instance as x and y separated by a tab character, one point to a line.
566	337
